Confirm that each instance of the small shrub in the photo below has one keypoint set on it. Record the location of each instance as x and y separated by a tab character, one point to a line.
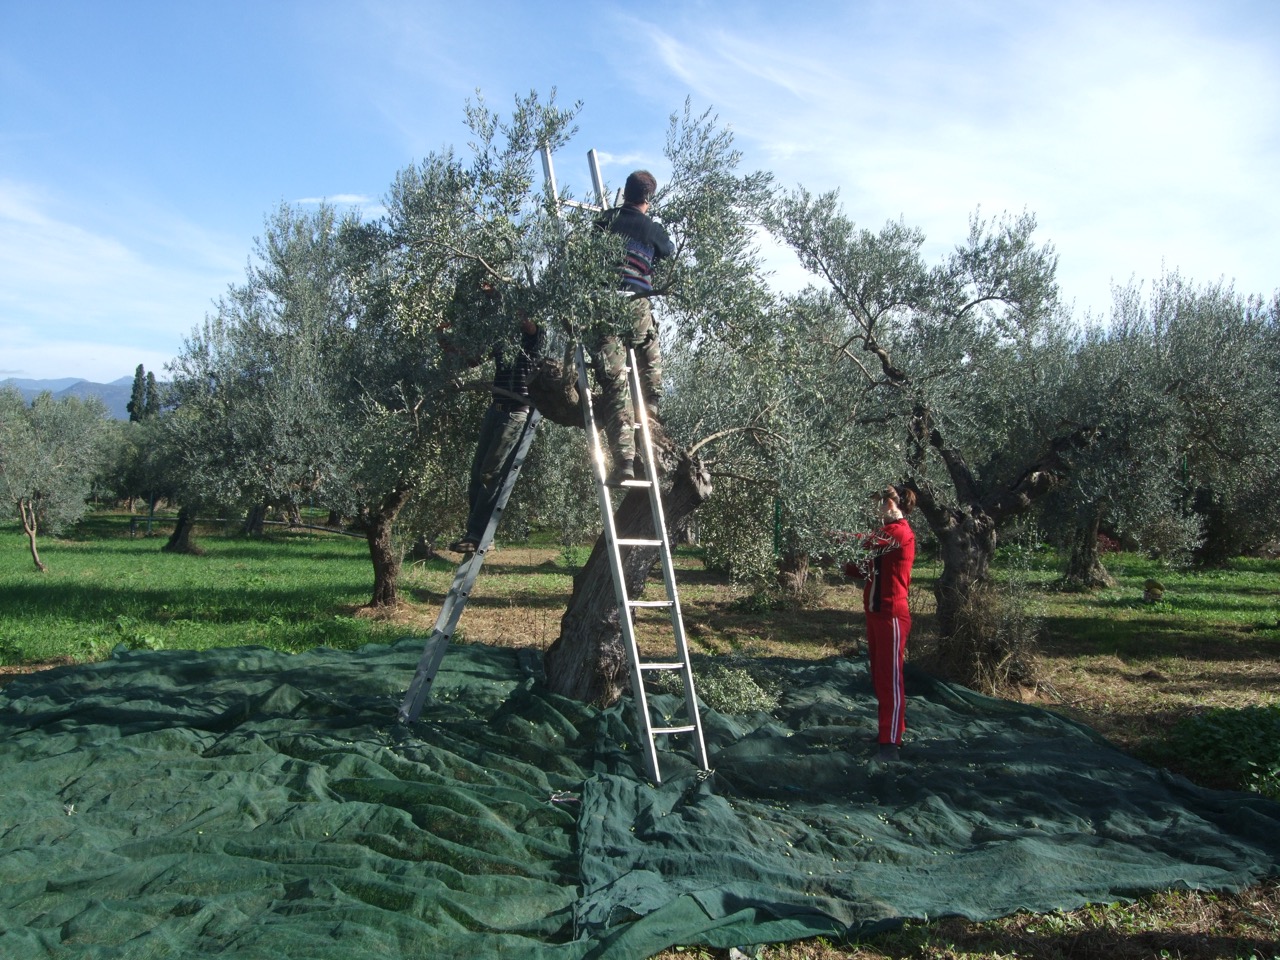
131	636
994	644
997	634
758	601
574	556
726	688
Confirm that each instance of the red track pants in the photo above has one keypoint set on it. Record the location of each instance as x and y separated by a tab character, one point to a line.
887	649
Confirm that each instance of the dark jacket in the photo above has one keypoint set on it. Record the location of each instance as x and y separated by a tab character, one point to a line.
512	367
647	243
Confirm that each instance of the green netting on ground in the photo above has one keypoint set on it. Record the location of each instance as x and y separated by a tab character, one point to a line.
252	804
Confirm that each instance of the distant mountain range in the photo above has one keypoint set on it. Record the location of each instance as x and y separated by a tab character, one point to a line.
114	394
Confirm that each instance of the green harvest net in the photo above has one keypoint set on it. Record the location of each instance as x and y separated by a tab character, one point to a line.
246	803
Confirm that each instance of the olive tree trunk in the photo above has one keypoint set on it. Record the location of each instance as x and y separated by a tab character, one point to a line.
589	661
180	541
966	530
254	520
967	542
1084	565
793	572
29	524
382	551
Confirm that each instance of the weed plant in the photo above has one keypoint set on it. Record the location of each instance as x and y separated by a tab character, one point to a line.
1241	745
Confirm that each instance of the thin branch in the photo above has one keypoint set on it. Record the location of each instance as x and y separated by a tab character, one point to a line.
493	271
732	430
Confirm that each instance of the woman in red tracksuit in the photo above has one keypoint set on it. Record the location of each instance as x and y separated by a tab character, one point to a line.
884	598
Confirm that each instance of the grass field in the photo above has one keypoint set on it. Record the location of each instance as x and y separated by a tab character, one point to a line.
1133	670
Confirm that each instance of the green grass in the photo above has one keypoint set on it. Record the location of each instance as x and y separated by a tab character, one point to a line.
288	591
1239	600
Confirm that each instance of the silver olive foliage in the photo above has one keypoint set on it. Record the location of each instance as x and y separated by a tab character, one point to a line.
1183	387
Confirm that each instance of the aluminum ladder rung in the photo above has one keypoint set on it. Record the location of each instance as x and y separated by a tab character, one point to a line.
631	542
661	666
648	603
667	731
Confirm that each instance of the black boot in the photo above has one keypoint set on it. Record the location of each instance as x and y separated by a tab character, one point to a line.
623	470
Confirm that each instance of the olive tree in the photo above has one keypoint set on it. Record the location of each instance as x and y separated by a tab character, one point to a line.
1217	357
259	419
960	363
50	451
324	375
1184	386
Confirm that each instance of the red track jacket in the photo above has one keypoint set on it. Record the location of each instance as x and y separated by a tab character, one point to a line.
888	572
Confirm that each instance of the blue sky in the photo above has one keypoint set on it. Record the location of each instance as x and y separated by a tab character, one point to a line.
142	143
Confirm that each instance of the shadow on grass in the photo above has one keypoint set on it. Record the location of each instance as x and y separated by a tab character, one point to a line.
1148	639
215	604
537	601
214	549
1174	603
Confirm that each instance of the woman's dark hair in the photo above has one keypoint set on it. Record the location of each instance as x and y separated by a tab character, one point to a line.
906	498
900	494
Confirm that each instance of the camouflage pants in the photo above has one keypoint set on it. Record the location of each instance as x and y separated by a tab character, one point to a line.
609	360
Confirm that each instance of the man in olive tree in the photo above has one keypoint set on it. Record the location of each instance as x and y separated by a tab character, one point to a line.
646	243
502	426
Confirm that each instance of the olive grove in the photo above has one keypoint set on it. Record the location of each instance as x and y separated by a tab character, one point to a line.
341	373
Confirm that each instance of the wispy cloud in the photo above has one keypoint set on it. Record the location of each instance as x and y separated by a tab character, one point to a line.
367	207
1138	133
69	288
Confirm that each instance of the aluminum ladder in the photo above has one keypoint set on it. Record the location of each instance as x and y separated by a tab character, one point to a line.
464	577
627	607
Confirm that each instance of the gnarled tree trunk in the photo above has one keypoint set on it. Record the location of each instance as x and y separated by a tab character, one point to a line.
180	540
966	532
382	551
588	661
793	572
254	520
1084	566
967	539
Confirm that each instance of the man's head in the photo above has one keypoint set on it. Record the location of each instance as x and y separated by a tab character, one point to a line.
640	187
